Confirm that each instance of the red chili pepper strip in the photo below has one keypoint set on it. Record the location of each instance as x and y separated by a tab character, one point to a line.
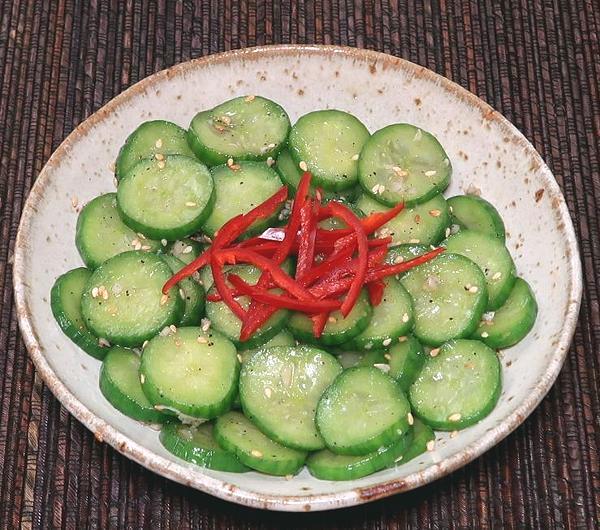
306	240
202	260
319	322
345	214
375	290
281	301
223	289
325	267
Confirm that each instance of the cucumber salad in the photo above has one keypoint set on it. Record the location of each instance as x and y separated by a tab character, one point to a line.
279	296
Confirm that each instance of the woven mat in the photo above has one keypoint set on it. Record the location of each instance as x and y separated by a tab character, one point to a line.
537	62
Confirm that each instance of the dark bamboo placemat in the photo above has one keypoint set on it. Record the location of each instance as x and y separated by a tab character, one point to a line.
537	62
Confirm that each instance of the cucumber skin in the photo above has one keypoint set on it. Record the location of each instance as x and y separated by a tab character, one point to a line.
495	218
413	363
124	403
207	458
88	344
191	316
422	433
363	466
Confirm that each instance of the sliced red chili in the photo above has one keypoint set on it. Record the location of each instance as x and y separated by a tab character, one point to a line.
202	260
319	322
223	289
375	290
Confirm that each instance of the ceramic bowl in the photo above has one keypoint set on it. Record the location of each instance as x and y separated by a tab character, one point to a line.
487	154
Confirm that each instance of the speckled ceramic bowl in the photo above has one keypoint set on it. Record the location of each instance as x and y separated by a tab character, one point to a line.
487	153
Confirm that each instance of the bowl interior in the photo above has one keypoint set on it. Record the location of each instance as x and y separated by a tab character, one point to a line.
487	154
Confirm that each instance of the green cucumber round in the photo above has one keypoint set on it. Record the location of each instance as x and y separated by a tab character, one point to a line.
474	213
190	291
406	360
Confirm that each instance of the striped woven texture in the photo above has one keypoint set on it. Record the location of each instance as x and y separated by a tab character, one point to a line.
536	61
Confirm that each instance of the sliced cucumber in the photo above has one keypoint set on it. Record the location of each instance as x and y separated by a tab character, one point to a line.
329	142
191	292
391	319
100	233
123	301
290	175
458	387
474	213
333	223
338	329
237	434
512	321
283	338
120	385
186	250
405	252
493	259
349	359
150	138
406	360
449	296
326	465
421	435
190	373
225	321
402	163
280	388
166	199
238	191
363	410
65	301
424	223
244	128
196	444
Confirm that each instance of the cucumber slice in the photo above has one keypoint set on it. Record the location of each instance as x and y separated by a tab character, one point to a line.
363	410
474	213
424	223
123	301
512	321
190	372
333	223
166	199
290	175
100	233
421	435
120	385
406	360
238	435
338	329
196	444
186	250
349	359
402	163
328	142
280	388
283	338
458	387
244	128
449	297
391	319
405	252
65	301
225	321
238	191
493	259
326	465
191	293
150	138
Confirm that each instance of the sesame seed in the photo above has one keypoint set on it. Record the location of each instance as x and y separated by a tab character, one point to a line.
355	157
333	320
74	201
485	335
398	459
270	161
387	342
473	289
158	143
455	417
430	173
173	328
164	299
112	167
225	119
411	419
94	292
205	324
385	368
249	98
399	171
453	434
187	249
434	352
417	218
497	276
103	343
467	286
159	156
398	259
105	294
142	378
431	445
447	232
402	339
144	344
164	242
405	318
387	355
202	340
446	162
191	204
230	162
418	135
256	453
182	294
435	213
271	146
161	164
268	392
115	182
240	358
303	166
289	477
414	241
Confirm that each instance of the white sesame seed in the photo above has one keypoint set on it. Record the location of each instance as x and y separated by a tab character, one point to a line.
434	352
485	335
161	164
414	241
473	289
268	392
205	324
333	320
455	417
399	171
74	201
164	242
159	156
431	445
187	249
271	146
164	299
182	294
303	165
103	343
385	368
94	292
402	339
249	98
158	143
398	259
115	182
435	213
240	358
430	173
270	161
144	344
105	294
411	419
142	378
447	232
497	276
398	459
387	355
230	162
289	477
173	328
446	162
112	167
202	340
453	434
256	453
387	342
225	119
191	204
405	318
355	157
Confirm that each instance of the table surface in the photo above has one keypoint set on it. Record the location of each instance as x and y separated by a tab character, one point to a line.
537	62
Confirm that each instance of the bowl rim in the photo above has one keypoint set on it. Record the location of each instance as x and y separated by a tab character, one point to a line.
221	488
